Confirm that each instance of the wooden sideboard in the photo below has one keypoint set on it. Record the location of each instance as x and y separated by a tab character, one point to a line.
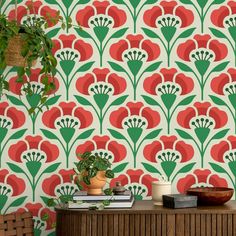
145	219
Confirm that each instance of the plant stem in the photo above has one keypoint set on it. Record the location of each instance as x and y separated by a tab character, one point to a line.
202	154
168	121
100	120
135	155
100	53
202	87
135	87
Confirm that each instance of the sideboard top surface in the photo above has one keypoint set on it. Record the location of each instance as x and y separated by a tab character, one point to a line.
147	207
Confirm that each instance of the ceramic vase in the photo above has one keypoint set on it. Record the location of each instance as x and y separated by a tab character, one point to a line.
160	188
97	183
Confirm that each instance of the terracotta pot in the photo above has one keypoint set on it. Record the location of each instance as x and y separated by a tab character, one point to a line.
97	183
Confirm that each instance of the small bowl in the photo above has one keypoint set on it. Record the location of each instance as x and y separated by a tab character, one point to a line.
211	195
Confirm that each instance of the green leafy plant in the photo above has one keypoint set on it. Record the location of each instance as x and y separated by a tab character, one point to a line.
88	167
36	46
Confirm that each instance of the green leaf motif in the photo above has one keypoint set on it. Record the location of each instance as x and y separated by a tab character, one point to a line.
118	1
187	168
220	134
150	33
217	33
116	134
15	168
51	1
19	201
150	101
150	2
15	100
51	168
153	67
18	134
150	168
183	67
217	101
187	33
186	100
83	101
85	134
45	199
82	33
186	2
84	1
120	168
116	66
183	134
51	101
217	168
218	1
153	134
119	100
48	134
85	67
119	33
220	67
53	33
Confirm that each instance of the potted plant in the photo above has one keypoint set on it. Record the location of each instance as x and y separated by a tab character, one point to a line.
91	173
34	44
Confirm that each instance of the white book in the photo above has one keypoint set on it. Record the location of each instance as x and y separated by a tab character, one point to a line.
98	204
82	196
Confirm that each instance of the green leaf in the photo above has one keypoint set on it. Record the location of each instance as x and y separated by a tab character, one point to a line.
83	1
45	199
19	201
120	167
82	33
153	134
18	134
52	100
118	1
217	33
150	33
150	101
220	134
85	134
217	101
119	33
153	67
53	33
186	2
217	168
51	168
183	67
150	168
116	134
15	100
85	67
51	1
15	168
186	100
183	134
150	2
48	134
83	101
119	100
218	1
109	174
220	67
187	168
186	33
116	66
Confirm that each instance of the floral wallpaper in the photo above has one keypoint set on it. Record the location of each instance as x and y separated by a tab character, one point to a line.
148	84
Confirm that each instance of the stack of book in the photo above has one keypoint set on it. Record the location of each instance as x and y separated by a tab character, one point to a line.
82	200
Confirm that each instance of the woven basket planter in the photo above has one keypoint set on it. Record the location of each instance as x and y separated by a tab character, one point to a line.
13	52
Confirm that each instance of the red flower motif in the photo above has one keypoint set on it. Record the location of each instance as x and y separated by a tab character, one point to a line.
173	149
201	177
222	83
105	147
35	8
39	212
118	51
184	16
79	116
36	149
13	185
136	181
36	83
214	116
113	83
11	116
183	83
186	50
113	15
224	150
121	117
81	50
59	184
221	17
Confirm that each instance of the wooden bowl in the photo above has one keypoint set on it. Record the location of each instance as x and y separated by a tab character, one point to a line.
211	195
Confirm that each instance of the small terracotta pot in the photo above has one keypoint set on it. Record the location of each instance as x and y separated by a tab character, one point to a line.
97	183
